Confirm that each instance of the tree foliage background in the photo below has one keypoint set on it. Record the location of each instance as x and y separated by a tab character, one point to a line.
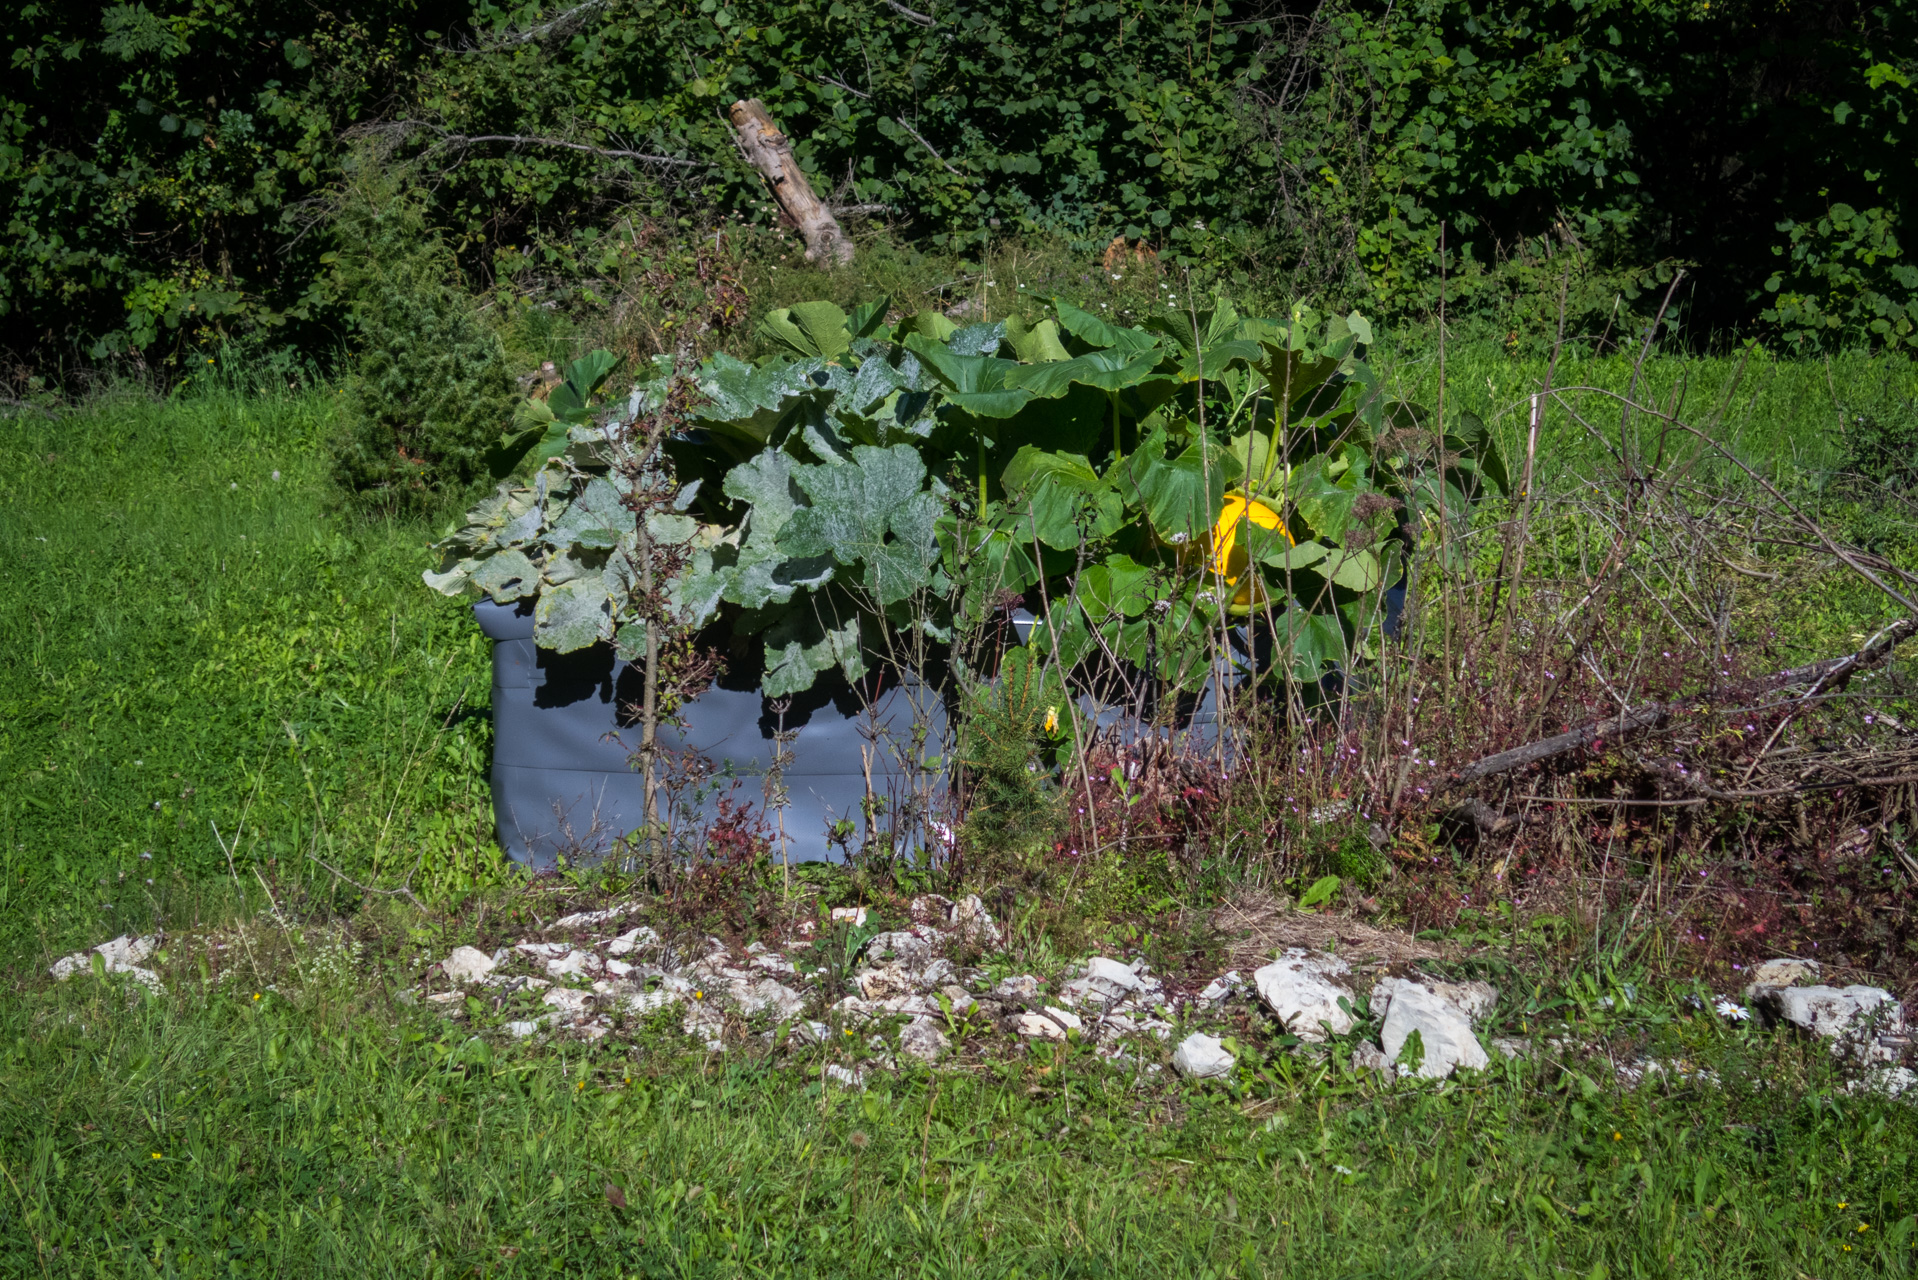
169	170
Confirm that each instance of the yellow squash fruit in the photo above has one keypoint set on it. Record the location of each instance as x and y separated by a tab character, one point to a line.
1225	535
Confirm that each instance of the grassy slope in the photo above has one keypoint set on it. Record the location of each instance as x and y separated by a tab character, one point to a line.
173	621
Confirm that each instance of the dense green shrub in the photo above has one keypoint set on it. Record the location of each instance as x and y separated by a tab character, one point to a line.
158	161
430	392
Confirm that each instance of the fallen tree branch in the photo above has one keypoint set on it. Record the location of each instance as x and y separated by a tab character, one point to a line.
768	149
1820	675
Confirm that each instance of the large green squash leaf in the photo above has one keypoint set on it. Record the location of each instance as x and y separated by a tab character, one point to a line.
573	615
976	383
855	506
506	576
809	329
1181	496
1092	332
1109	371
1062	499
807	641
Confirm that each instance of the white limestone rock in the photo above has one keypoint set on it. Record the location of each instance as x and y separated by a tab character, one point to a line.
1831	1012
1022	987
1444	1027
632	940
590	919
568	1001
126	951
1107	982
466	964
849	1077
922	1039
574	964
1782	971
1303	989
974	923
1202	1057
1221	988
1891	1082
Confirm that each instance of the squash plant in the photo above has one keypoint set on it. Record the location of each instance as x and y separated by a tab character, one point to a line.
1139	486
1145	489
567	538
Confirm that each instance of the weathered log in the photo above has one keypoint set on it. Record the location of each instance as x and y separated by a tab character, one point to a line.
771	152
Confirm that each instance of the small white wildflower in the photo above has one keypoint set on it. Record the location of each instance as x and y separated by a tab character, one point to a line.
1181	538
1731	1010
1339	1168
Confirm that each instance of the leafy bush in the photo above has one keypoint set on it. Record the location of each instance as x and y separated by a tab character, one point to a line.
430	391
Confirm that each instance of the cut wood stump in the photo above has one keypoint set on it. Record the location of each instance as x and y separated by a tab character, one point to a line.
771	152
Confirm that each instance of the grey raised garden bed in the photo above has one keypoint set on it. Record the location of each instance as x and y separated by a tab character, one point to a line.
562	777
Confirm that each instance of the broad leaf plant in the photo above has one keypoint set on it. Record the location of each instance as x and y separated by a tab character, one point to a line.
1141	490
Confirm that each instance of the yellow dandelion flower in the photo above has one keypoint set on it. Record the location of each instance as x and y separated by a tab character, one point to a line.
1864	1226
158	1156
1617	1136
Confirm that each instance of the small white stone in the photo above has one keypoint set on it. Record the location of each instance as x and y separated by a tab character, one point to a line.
522	1029
924	1041
649	1002
126	950
931	908
767	994
974	923
1444	1029
1226	984
1889	1081
1023	987
854	916
543	950
568	1001
1202	1057
1064	1017
619	968
66	966
446	997
588	919
1512	1048
1783	971
632	940
1367	1056
850	1077
574	964
1039	1027
1830	1011
466	964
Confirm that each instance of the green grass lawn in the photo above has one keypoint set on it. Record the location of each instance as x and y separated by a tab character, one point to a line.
187	641
192	634
322	1129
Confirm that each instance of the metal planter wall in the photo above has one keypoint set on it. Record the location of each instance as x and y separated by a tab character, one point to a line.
563	781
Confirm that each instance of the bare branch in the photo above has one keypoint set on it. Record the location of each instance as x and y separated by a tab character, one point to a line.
901	122
912	15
